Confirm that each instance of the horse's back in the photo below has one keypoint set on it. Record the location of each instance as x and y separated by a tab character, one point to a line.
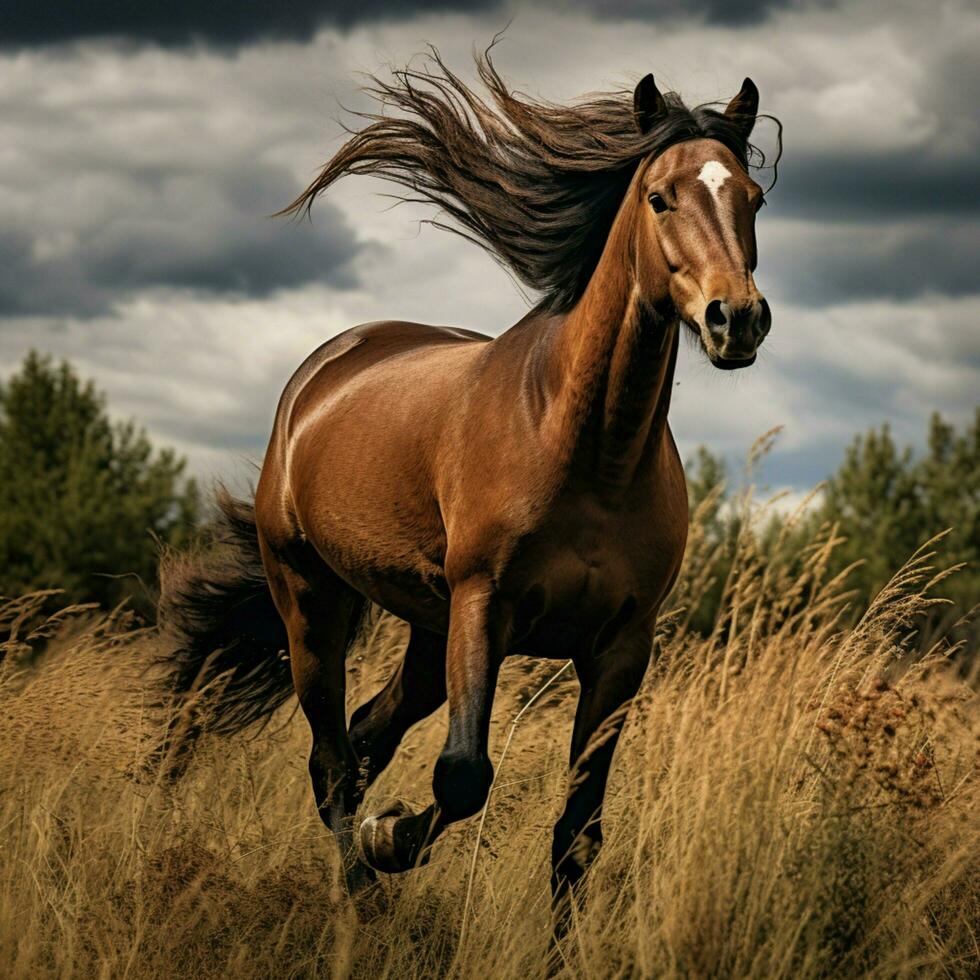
381	339
342	359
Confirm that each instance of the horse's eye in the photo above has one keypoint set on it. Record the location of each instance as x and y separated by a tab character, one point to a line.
658	203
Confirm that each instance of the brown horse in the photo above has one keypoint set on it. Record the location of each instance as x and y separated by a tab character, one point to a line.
521	494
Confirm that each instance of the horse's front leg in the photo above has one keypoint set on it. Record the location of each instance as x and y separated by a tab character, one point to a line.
396	840
610	680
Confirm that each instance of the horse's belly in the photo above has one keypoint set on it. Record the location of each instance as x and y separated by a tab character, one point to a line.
421	601
397	571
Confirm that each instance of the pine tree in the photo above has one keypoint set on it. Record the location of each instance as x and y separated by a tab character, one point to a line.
949	477
83	501
876	499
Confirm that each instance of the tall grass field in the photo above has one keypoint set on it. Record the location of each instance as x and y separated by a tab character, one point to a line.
794	796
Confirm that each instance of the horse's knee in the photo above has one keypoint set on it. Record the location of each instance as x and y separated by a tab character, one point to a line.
461	784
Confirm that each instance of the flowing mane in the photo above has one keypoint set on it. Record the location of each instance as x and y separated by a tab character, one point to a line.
535	184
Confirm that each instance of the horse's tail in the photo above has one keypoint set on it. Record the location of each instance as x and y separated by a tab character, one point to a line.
226	665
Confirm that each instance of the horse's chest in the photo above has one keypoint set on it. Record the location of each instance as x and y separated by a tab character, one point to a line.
585	568
567	598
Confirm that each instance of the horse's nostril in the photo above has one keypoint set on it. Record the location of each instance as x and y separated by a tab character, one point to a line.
717	314
765	320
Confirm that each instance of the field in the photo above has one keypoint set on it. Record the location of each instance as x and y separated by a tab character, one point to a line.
795	796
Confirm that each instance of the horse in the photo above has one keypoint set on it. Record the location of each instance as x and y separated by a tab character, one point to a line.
512	494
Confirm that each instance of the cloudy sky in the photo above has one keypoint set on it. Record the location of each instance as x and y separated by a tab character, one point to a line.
141	152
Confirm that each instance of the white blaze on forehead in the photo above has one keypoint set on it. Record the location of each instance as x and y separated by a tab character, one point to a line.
713	175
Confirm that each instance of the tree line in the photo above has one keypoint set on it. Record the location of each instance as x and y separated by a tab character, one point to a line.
881	505
86	503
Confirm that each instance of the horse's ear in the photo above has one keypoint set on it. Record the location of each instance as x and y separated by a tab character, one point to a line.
648	104
743	108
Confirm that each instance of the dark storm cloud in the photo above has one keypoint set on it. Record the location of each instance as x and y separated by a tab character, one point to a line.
845	186
835	262
198	231
730	13
218	22
232	23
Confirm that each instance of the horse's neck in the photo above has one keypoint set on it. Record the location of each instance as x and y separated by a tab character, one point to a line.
613	364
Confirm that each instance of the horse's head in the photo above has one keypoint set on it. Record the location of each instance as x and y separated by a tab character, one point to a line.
696	232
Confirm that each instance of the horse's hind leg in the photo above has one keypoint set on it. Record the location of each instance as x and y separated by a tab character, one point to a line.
414	691
321	614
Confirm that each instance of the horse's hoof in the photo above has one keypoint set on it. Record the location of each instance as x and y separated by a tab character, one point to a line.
377	837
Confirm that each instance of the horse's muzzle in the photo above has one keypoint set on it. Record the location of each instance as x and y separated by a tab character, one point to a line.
735	333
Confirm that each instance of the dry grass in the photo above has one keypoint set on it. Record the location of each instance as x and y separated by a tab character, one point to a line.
792	798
